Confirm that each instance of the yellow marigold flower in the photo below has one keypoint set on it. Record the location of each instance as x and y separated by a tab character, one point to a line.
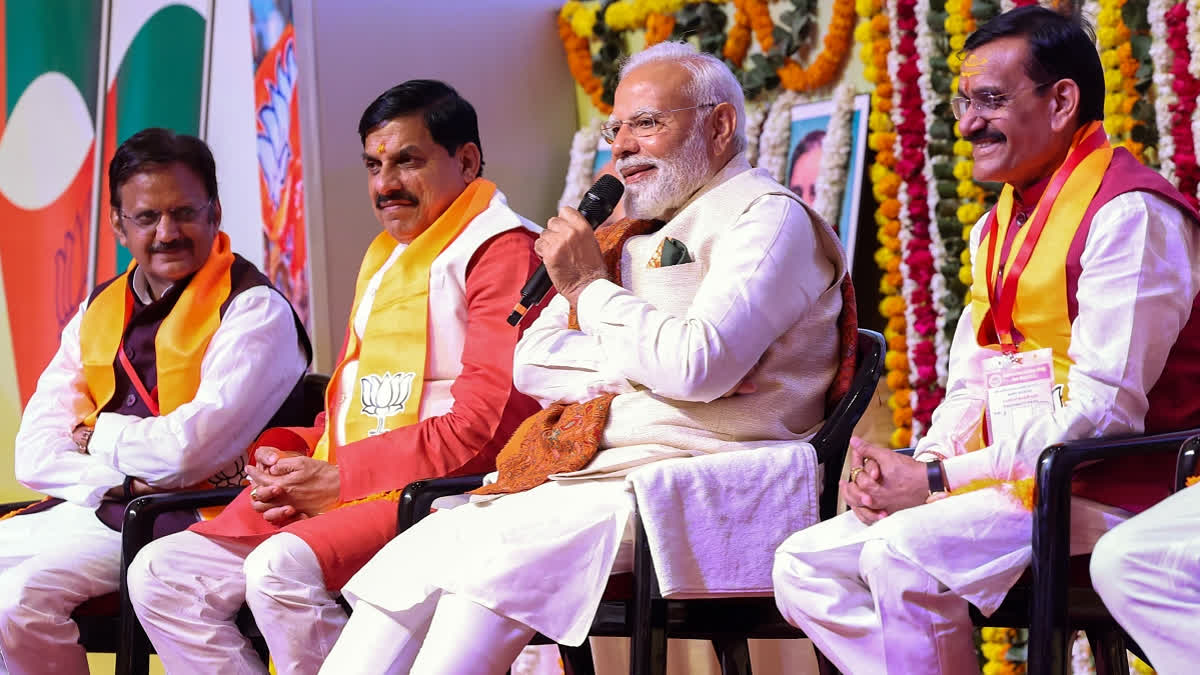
994	651
892	306
896	380
954	6
882	256
957	42
1107	36
1109	58
964	168
569	7
901	398
583	20
965	256
963	148
1113	124
893	244
965	275
1003	668
968	190
902	416
1112	80
887	288
1005	635
969	213
955	23
901	438
619	15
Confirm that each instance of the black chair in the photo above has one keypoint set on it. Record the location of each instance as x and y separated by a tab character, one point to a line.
634	608
132	647
1055	598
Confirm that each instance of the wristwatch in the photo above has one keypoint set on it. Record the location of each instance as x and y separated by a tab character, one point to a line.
936	473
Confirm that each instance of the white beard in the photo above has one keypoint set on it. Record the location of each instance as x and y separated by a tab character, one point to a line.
679	176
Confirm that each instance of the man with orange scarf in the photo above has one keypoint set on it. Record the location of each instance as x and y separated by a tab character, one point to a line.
1080	324
162	380
423	389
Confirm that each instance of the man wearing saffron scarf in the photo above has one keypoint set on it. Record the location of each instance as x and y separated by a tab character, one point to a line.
423	389
705	323
160	383
1080	324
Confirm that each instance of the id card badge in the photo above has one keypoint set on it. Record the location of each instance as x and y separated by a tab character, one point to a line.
1020	387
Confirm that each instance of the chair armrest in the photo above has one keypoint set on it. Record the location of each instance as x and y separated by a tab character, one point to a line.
1058	463
418	496
140	514
1185	465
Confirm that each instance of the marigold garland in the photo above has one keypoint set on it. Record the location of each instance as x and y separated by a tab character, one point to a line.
579	62
1120	81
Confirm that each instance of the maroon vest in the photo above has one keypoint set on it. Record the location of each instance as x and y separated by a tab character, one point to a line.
1136	483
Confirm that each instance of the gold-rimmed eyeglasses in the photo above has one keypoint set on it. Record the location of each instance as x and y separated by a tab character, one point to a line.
179	214
988	103
646	123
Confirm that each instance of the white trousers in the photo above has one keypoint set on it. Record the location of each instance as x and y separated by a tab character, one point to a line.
1147	570
50	562
893	597
445	634
187	589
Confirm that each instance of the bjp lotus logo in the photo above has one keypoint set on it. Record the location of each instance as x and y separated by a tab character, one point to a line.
384	396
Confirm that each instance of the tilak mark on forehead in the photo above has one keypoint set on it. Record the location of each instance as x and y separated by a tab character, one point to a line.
973	65
380	149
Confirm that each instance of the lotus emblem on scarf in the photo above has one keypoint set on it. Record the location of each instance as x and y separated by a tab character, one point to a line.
384	396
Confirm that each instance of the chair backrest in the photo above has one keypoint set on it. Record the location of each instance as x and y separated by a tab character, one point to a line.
313	395
833	439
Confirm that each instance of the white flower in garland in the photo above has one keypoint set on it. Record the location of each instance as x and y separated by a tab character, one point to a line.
927	51
835	155
907	286
579	170
1161	56
756	113
775	138
1006	5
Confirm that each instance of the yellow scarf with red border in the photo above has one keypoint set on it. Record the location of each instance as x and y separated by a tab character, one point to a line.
179	344
1044	320
391	352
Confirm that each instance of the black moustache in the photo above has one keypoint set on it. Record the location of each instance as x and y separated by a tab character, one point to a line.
985	136
394	196
168	248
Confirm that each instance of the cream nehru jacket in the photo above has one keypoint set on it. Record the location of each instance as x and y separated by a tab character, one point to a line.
791	377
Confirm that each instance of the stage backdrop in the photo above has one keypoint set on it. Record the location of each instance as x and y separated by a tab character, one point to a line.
78	77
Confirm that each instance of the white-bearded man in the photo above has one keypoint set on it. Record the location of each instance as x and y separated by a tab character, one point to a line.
673	331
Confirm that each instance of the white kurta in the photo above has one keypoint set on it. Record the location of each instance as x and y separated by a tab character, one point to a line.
250	366
763	290
862	593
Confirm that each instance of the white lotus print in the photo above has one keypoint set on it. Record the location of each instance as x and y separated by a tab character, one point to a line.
384	396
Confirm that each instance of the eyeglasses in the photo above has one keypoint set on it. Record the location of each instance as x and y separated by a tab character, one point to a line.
987	103
179	214
643	124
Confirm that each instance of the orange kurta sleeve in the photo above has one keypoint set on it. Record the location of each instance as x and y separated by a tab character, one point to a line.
487	407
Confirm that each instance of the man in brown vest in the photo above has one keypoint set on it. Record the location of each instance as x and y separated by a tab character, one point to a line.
162	379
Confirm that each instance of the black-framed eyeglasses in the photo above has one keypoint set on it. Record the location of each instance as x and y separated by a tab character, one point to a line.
987	103
643	124
179	214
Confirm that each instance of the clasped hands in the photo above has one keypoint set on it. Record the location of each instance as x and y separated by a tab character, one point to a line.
882	482
288	486
569	249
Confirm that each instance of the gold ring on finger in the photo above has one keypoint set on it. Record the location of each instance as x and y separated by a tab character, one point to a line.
854	471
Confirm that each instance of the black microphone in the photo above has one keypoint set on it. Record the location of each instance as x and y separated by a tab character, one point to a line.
595	207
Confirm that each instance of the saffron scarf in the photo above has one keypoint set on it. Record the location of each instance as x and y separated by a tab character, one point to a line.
1058	213
179	344
391	352
563	437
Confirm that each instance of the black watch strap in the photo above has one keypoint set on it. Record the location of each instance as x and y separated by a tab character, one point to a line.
936	473
127	487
